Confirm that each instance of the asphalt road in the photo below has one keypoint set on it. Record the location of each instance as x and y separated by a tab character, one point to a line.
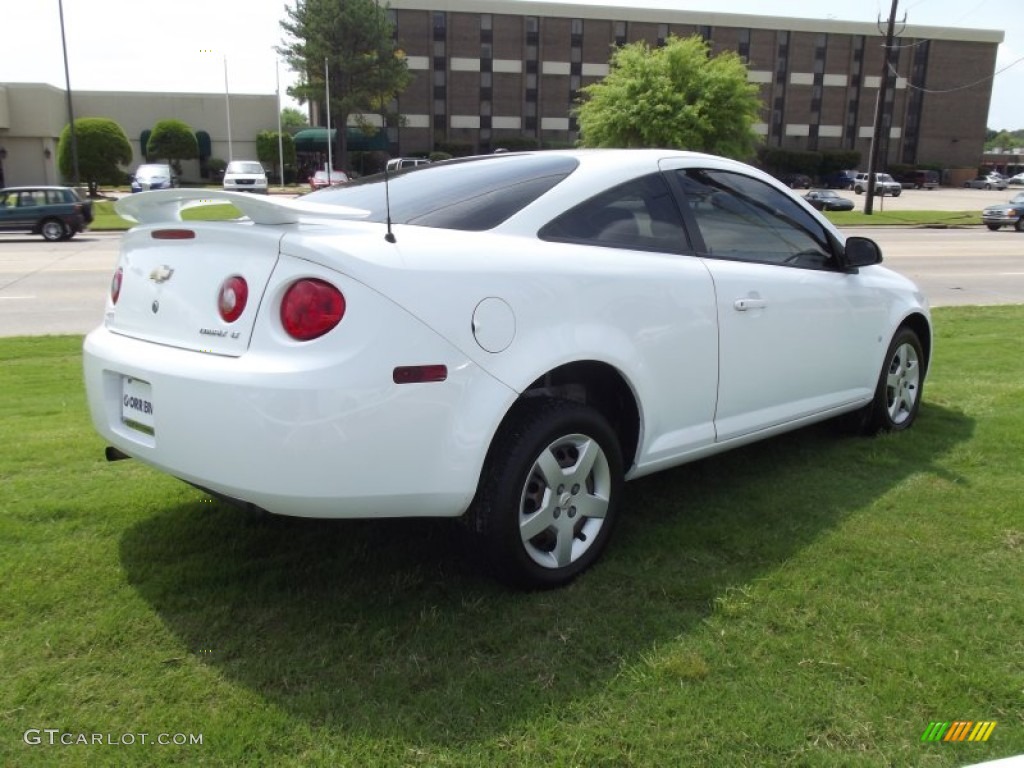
50	288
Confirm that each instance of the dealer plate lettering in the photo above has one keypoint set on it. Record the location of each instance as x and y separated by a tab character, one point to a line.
137	404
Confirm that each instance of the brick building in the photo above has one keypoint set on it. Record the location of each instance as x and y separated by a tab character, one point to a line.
489	71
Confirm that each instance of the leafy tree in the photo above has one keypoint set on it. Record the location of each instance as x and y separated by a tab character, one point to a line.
673	96
1003	140
293	120
172	140
102	146
356	39
266	150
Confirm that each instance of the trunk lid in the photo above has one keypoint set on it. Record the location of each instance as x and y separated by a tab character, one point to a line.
172	275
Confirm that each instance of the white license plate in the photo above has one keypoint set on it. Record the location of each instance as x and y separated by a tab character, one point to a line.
137	404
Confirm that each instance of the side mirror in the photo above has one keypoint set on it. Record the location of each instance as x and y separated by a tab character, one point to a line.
861	252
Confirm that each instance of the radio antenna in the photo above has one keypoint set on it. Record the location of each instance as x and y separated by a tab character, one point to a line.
390	236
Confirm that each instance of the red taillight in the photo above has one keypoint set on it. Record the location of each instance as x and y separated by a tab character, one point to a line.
115	285
310	308
234	292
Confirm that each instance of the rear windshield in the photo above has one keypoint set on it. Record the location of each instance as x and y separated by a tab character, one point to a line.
471	194
236	167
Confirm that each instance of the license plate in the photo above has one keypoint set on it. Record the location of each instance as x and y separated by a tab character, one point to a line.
137	404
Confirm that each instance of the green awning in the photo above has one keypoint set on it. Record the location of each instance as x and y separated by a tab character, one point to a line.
315	140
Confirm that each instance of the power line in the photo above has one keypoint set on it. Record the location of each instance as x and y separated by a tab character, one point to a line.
976	83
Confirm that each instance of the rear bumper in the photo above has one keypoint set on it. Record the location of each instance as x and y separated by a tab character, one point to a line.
310	436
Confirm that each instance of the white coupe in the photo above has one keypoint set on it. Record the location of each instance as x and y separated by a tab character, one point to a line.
504	338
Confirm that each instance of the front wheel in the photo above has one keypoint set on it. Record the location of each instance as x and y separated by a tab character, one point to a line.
548	495
993	227
900	384
1019	226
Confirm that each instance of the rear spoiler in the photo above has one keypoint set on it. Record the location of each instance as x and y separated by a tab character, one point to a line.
165	205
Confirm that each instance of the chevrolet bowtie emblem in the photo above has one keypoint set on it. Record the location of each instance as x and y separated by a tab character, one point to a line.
161	274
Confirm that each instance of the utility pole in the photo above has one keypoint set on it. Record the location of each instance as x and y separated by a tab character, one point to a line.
227	108
71	112
883	87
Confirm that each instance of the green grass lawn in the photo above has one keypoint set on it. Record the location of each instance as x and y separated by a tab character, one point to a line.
105	218
814	600
905	218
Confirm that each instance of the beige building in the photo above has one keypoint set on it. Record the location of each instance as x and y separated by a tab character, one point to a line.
32	117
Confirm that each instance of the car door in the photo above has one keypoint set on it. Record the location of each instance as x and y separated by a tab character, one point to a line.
658	296
28	209
796	333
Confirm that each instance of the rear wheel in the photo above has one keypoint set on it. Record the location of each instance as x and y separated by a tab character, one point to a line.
548	494
52	230
1019	226
900	383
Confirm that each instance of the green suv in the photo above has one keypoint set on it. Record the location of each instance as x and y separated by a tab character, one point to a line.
56	213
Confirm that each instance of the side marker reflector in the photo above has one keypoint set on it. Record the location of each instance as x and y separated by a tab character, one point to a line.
419	374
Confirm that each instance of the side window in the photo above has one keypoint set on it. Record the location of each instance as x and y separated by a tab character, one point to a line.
640	214
744	219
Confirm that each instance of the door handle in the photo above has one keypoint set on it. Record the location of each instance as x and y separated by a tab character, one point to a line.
742	305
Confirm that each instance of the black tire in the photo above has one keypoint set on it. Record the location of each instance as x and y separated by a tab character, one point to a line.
515	491
900	386
1019	226
993	227
52	230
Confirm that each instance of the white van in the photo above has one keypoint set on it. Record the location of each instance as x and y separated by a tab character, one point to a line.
245	176
401	163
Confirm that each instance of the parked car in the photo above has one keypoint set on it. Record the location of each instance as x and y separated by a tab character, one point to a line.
828	200
796	180
1009	214
153	176
400	163
245	176
840	179
986	181
505	338
322	179
884	184
56	213
1016	179
919	179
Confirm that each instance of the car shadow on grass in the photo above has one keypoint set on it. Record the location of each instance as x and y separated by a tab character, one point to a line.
383	628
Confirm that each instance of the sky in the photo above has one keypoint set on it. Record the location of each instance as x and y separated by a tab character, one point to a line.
184	45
